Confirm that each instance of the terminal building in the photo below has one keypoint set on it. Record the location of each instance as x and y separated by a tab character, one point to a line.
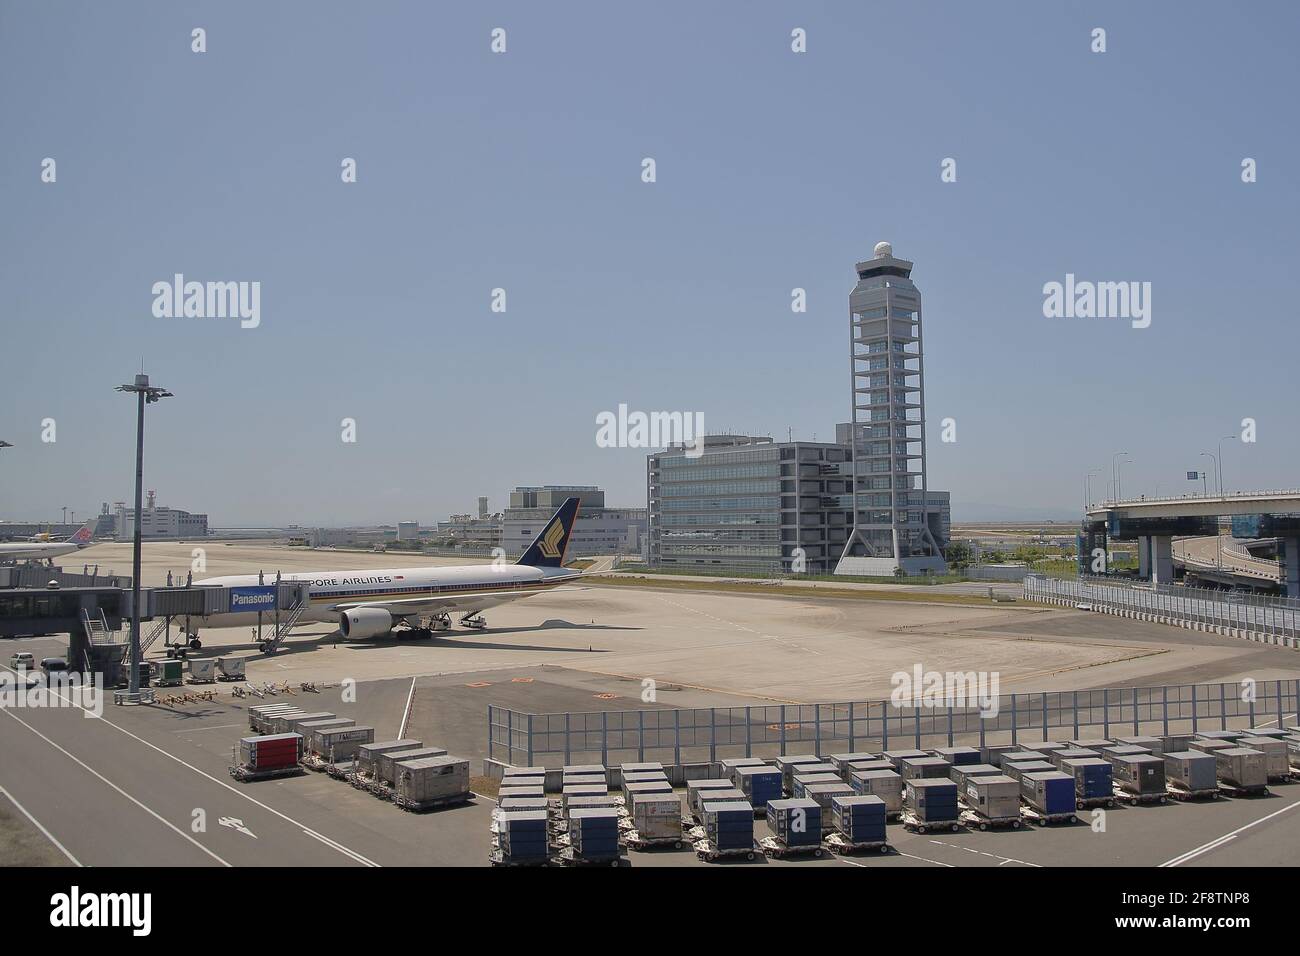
599	529
160	522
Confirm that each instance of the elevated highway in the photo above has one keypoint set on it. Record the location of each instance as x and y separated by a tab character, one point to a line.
1155	522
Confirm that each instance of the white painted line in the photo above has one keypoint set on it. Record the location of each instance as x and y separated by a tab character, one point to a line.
221	783
951	866
165	822
406	714
37	823
1215	844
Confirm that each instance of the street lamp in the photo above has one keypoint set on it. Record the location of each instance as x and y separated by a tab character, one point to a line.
145	394
1221	441
1115	471
1087	488
1210	455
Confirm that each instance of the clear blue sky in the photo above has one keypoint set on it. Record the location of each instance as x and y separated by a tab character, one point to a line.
522	171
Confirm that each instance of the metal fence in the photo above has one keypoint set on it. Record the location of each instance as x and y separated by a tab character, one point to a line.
698	735
1260	618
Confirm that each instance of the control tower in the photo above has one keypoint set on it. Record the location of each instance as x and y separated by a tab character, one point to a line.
897	521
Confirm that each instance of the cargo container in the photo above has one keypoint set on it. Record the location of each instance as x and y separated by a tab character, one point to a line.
583	768
1043	747
273	723
1140	777
803	781
598	802
1275	756
1094	780
1210	746
695	789
657	818
287	722
1228	735
930	803
958	756
230	668
1154	745
368	754
531	791
1175	743
513	773
857	766
264	757
431	782
1058	757
729	765
522	803
586	780
593	834
709	797
960	773
992	753
640	776
896	757
581	790
203	670
259	717
1022	756
340	744
645	766
993	800
633	790
729	826
386	766
1293	752
788	763
759	784
1115	751
811	769
1191	772
1091	743
797	823
1242	768
919	768
1277	733
1015	769
823	793
312	726
860	820
840	761
521	836
1050	795
170	672
885	784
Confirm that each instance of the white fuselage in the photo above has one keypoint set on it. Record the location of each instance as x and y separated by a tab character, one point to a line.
19	550
330	589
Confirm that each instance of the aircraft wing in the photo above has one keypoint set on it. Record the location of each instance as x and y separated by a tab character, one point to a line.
469	602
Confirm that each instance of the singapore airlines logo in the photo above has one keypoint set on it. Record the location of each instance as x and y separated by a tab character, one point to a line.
550	543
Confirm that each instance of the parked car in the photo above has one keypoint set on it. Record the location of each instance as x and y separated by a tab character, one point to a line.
52	664
22	661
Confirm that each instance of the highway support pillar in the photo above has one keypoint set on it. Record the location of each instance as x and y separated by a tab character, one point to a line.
1291	566
1162	559
1144	557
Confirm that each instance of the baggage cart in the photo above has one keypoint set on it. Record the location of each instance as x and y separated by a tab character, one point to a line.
709	853
774	847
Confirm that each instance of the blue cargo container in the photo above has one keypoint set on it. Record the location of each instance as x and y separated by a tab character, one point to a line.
1092	777
796	822
860	819
932	801
1051	793
958	756
522	834
730	826
759	784
593	833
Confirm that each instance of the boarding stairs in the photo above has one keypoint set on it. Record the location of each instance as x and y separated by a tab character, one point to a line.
272	644
97	629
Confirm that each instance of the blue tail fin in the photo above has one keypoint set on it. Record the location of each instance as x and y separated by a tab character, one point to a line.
549	547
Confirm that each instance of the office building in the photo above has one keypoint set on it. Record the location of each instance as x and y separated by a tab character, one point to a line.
598	530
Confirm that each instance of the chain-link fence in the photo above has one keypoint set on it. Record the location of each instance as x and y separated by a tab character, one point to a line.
697	735
1272	620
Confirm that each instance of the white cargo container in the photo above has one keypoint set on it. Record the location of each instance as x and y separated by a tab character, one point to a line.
203	670
434	781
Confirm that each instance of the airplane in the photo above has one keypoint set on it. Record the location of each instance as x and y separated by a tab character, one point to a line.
371	603
49	550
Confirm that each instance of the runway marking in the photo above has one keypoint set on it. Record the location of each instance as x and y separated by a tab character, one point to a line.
406	714
221	783
951	866
37	823
1226	838
996	856
164	821
194	730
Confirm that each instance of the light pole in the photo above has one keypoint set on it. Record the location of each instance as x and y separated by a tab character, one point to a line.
1087	488
1210	455
1221	441
1115	471
145	394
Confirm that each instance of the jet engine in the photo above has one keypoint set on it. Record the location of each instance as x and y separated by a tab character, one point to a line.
360	623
